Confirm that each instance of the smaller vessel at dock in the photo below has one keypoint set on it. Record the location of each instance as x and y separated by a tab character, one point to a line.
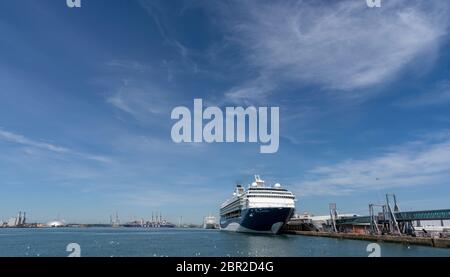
209	222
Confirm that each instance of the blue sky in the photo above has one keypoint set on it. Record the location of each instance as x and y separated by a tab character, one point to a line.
86	96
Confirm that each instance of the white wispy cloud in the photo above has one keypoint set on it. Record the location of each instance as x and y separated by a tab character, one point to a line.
149	145
136	94
19	139
128	65
22	140
254	91
139	100
418	163
159	15
341	45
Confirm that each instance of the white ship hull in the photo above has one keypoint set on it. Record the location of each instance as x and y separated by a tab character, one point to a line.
209	226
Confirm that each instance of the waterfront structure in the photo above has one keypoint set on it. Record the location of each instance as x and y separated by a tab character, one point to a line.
156	222
383	219
309	222
115	222
260	208
56	223
13	222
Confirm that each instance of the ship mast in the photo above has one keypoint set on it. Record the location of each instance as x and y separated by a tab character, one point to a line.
258	181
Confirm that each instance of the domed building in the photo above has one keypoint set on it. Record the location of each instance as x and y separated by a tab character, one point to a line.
56	223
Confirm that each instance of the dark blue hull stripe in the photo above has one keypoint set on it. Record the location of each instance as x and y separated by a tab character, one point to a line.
260	220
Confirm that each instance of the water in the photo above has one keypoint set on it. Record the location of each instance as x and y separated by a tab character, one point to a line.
107	242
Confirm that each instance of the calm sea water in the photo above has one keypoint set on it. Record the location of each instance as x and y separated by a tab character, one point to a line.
107	242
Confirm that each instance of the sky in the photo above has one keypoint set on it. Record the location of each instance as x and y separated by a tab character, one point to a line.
87	93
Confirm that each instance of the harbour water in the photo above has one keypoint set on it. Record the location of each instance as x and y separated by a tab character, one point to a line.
126	242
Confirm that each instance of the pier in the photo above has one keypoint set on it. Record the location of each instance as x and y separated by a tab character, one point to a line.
407	240
388	225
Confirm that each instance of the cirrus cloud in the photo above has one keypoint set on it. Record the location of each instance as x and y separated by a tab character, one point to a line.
341	45
423	162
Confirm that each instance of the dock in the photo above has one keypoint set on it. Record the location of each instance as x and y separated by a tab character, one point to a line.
407	240
385	223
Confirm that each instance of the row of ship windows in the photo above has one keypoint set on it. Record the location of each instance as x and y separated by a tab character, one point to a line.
271	196
234	203
230	209
267	189
233	214
270	192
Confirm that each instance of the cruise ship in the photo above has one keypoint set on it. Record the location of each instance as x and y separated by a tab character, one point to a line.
259	209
